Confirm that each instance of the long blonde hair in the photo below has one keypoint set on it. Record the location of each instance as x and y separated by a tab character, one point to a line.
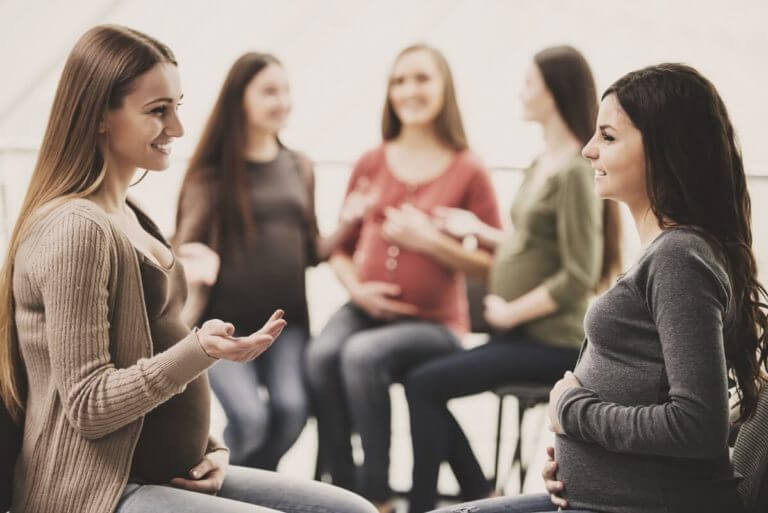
99	72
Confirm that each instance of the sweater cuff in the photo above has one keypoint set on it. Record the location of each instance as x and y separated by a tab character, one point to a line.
564	405
185	360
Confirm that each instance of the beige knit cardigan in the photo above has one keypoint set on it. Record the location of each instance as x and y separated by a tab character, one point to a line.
85	340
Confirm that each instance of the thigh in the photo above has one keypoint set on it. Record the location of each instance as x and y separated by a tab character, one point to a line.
280	368
397	347
288	494
166	499
539	503
236	385
491	365
326	346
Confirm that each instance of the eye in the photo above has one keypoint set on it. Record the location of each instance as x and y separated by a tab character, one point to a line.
159	111
606	137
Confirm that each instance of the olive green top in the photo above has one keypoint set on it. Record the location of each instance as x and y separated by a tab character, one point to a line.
557	242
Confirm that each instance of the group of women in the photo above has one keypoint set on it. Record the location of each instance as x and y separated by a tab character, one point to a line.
99	365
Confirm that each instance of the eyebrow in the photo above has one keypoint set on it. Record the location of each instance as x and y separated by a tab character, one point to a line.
603	127
164	100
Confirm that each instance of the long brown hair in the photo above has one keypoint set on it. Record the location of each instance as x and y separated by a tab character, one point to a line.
219	153
695	177
569	78
448	124
99	72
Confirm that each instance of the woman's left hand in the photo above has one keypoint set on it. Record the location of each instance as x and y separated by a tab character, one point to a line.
567	382
208	476
410	228
498	312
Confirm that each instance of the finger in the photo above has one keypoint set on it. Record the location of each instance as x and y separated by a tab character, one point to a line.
550	452
218	327
398	307
273	328
196	485
201	469
549	471
278	314
558	501
384	288
553	487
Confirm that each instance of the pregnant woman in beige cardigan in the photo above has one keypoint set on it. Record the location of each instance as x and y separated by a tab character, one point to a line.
109	383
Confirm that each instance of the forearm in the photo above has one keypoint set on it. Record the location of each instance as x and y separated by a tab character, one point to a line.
451	253
326	245
490	237
345	271
532	305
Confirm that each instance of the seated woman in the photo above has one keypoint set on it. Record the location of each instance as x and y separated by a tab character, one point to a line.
642	423
563	244
407	293
110	384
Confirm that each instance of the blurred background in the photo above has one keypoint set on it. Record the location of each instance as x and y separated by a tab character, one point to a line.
338	54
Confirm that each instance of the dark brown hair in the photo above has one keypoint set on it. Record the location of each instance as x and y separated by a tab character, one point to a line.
448	124
695	177
569	79
218	157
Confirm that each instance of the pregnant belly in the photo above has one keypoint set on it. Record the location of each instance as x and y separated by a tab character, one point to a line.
174	436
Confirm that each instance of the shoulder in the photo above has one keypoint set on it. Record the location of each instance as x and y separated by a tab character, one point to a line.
471	163
370	159
577	171
76	226
683	257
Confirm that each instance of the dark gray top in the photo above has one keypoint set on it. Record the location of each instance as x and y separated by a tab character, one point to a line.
265	268
648	430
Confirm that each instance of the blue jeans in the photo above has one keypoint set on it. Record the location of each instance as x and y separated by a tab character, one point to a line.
437	436
524	504
260	431
245	490
350	366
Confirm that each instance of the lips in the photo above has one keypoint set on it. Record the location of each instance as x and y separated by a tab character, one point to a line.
164	148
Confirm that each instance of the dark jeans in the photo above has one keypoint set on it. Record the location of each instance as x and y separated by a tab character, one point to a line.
437	437
524	504
259	430
245	490
350	366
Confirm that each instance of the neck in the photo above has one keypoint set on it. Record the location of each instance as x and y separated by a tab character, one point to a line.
418	137
558	138
645	222
260	146
111	194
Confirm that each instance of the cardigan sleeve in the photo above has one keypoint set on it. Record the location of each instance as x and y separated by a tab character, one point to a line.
73	272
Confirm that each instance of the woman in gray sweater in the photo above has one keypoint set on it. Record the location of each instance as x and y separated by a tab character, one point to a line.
642	422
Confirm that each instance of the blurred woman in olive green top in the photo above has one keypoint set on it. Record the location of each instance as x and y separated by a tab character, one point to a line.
564	245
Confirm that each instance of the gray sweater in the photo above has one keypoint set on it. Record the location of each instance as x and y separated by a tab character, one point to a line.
647	432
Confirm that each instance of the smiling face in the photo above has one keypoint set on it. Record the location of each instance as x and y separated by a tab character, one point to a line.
617	155
416	88
139	132
267	99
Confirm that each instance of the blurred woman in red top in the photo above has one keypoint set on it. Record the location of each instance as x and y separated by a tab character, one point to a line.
407	293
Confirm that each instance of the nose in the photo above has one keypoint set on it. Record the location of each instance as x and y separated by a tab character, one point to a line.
174	128
590	150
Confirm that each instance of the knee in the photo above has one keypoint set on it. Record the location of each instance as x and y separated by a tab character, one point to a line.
359	359
291	413
321	358
419	387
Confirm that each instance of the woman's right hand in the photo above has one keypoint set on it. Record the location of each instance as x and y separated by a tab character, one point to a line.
217	341
553	486
375	297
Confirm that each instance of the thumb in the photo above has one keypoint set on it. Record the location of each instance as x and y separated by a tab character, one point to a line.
201	469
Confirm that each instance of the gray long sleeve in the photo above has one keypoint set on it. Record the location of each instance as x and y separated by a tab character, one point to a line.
652	411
